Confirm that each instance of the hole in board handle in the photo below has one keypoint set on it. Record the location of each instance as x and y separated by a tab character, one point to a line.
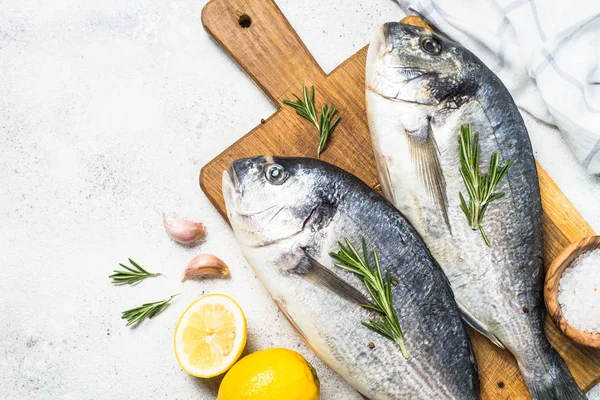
245	21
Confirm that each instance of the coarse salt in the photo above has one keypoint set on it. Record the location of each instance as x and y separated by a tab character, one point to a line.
579	292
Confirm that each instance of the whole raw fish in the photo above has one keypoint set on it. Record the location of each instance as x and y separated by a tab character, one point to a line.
421	88
287	215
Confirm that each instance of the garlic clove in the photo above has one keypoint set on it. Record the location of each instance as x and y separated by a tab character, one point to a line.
205	265
182	230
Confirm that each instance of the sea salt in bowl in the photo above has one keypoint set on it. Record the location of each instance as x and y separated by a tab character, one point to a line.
572	291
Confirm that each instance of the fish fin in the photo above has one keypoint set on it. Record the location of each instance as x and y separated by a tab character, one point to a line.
549	378
424	152
385	181
281	305
315	273
479	326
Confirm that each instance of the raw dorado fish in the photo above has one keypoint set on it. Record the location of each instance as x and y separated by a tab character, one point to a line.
287	215
420	88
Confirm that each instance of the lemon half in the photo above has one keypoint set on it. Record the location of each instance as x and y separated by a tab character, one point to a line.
210	336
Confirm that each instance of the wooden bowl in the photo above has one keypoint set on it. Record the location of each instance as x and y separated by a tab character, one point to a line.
560	264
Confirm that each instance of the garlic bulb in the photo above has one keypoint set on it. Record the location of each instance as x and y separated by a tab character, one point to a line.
205	265
183	231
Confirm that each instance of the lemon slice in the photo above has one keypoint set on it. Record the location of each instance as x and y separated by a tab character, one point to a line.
210	336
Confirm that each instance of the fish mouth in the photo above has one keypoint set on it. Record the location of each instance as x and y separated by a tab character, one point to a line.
410	74
257	220
228	188
378	48
392	91
232	176
406	75
382	37
253	221
387	75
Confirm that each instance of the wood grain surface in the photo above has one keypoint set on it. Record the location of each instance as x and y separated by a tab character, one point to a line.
272	54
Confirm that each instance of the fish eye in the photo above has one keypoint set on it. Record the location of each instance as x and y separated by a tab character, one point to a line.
431	45
275	174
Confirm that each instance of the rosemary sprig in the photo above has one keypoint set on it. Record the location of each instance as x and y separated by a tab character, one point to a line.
306	109
131	275
379	288
148	310
479	186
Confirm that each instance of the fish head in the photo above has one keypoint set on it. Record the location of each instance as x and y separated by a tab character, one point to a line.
412	64
270	199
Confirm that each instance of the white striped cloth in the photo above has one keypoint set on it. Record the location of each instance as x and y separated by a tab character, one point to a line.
546	52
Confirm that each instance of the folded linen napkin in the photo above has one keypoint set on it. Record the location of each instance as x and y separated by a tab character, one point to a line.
546	52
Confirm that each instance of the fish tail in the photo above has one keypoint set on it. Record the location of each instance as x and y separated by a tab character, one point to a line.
555	382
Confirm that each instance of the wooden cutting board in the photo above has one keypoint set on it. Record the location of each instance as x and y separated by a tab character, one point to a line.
261	41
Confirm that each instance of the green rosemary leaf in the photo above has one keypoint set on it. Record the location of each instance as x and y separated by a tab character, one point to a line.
485	236
373	307
148	310
131	276
379	288
138	266
305	108
480	187
497	196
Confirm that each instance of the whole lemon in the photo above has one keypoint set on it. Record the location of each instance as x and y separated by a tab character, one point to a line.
270	374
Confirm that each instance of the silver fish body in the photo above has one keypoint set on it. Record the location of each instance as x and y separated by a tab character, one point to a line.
286	211
421	88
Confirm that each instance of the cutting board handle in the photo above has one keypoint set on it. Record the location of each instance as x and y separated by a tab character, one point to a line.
260	26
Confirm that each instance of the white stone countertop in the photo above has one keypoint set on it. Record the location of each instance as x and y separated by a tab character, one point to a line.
108	110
